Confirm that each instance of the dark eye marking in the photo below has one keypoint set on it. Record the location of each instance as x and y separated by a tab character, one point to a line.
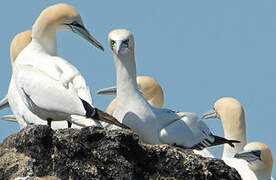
76	24
113	42
257	153
126	41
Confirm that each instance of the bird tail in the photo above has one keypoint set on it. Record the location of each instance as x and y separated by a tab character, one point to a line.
100	115
221	140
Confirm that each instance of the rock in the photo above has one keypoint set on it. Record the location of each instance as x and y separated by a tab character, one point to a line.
38	152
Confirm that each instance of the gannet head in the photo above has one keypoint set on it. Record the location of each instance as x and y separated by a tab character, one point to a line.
19	42
61	16
227	109
230	111
121	41
152	90
259	157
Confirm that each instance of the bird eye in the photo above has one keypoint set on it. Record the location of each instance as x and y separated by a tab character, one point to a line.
76	24
257	153
113	42
125	42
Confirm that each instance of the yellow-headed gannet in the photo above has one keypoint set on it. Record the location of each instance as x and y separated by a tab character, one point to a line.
149	87
51	87
153	92
231	113
259	160
153	125
19	42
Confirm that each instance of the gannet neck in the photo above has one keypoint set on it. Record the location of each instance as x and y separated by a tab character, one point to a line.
47	39
126	74
263	174
235	130
49	22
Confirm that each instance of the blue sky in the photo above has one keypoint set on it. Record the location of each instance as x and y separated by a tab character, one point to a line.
199	51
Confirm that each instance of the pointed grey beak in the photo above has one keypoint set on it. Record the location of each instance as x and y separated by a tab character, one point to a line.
108	91
83	32
249	156
210	114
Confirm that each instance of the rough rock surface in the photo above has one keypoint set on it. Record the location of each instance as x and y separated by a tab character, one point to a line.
38	152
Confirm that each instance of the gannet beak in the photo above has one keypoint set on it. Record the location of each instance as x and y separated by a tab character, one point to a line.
210	114
108	91
83	32
249	156
119	47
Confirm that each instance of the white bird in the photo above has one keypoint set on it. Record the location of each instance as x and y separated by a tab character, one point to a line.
231	113
153	125
153	92
148	86
259	160
51	87
19	42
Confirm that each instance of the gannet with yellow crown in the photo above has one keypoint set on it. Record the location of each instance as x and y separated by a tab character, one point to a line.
153	92
51	87
230	111
259	161
153	125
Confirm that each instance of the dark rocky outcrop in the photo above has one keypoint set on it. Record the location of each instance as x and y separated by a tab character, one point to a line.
39	152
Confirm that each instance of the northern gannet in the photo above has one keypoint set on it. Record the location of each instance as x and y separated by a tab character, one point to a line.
153	125
148	86
231	113
259	160
19	42
51	87
154	94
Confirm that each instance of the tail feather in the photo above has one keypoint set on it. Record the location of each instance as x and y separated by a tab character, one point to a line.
221	140
100	115
103	116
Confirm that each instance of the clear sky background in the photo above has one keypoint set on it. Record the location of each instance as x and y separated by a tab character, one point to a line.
198	51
